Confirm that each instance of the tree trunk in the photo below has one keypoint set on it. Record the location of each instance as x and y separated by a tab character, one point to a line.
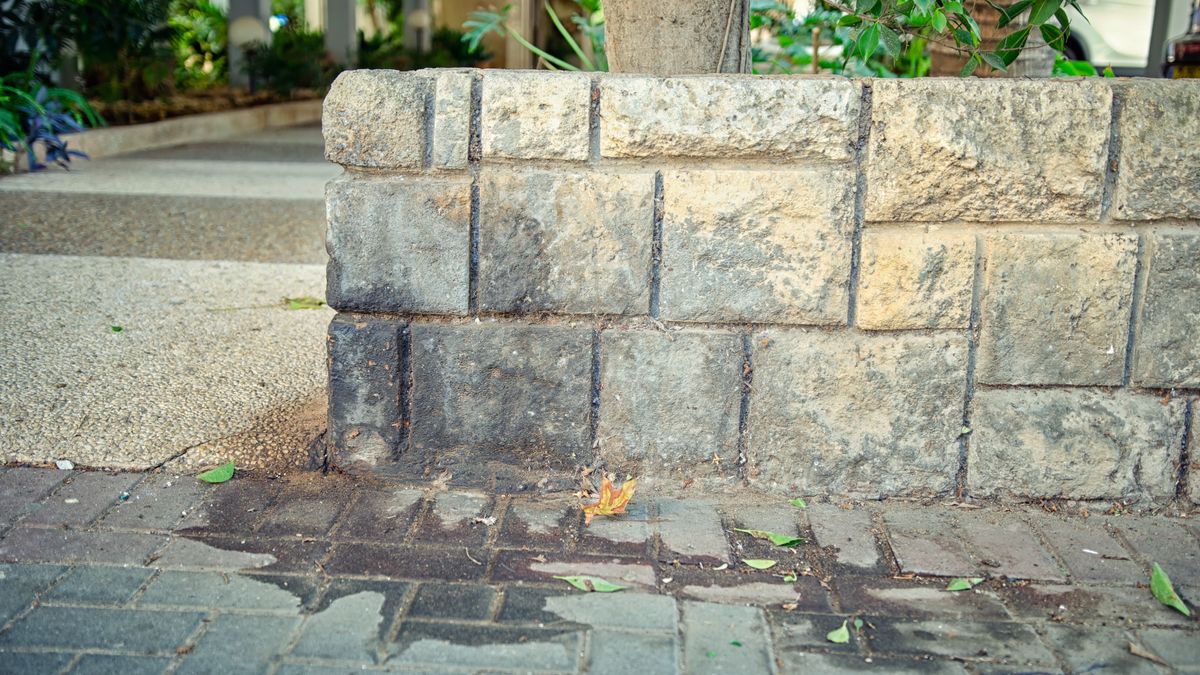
677	37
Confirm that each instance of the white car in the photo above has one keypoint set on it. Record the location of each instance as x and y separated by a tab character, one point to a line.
1115	33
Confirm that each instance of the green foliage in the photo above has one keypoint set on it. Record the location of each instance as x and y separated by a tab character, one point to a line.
32	35
590	22
125	46
448	50
200	31
295	59
792	51
292	9
33	115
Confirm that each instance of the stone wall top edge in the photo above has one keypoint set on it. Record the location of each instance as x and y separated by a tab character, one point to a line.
905	83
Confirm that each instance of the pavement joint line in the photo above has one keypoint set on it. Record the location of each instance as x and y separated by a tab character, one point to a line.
1052	550
189	643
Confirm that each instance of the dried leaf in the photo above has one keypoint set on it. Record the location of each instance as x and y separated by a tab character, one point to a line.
1160	586
1138	650
611	502
773	537
963	584
722	566
839	635
761	564
591	584
218	475
799	503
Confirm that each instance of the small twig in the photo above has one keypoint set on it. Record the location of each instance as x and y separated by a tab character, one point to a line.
468	551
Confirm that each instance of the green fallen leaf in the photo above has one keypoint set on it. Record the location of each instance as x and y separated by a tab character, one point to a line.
963	584
116	329
773	537
966	430
736	643
790	577
303	302
839	635
858	624
711	654
761	564
799	503
218	475
591	584
1160	586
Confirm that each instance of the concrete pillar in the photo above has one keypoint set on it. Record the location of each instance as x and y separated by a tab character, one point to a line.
678	37
341	31
257	9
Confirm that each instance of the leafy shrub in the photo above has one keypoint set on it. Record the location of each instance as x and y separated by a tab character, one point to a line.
448	50
125	47
32	34
33	117
295	59
200	30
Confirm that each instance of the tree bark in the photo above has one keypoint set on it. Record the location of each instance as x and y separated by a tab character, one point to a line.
677	37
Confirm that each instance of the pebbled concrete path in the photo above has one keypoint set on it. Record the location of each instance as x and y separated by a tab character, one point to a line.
189	252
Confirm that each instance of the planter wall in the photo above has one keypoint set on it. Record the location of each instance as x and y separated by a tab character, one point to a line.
843	286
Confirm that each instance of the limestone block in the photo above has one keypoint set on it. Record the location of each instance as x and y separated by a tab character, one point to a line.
399	244
987	150
574	242
836	412
1076	443
749	116
669	401
762	246
451	116
914	279
536	115
376	119
1055	308
364	390
507	392
1158	161
1167	353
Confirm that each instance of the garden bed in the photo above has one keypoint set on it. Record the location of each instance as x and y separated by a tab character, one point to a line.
124	113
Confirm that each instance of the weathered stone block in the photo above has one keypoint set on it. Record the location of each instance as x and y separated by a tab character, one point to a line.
763	246
859	414
1077	443
1055	308
451	116
399	244
728	117
364	390
1168	336
536	115
987	150
1158	158
489	391
376	119
565	242
915	280
670	401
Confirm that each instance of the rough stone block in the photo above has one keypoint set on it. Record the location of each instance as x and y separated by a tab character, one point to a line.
565	242
859	414
1077	444
915	280
376	119
849	532
1158	159
364	390
451	117
728	117
987	150
489	391
1055	308
669	400
536	115
762	246
1088	550
1168	349
399	244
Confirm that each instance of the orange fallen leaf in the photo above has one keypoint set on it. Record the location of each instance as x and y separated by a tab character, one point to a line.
611	502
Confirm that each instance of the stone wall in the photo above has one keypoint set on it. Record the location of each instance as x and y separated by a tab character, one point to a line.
814	285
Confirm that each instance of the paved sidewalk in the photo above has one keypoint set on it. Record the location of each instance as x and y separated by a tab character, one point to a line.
145	295
148	573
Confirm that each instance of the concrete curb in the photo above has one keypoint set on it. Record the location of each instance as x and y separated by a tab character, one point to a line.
110	141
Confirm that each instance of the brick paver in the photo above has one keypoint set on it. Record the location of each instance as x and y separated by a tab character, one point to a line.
323	575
